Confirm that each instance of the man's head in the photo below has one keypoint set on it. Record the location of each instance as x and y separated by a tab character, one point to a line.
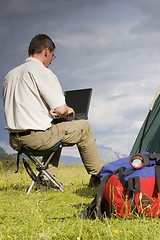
42	47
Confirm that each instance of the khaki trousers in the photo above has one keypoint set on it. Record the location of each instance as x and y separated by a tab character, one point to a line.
69	133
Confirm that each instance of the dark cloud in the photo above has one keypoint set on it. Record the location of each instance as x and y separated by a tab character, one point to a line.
111	46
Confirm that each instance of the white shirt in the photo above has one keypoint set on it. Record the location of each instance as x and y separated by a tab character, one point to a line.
30	91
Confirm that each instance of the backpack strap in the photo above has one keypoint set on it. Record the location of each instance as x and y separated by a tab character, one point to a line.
127	184
99	196
157	173
131	182
155	156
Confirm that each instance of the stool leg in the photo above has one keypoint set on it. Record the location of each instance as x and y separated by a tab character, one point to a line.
51	161
30	188
53	179
48	174
50	177
32	184
45	172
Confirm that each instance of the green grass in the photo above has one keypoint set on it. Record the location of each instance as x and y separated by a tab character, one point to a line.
45	215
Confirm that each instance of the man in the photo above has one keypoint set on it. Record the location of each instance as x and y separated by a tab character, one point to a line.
32	96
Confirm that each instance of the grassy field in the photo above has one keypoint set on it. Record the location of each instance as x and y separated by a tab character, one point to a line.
50	214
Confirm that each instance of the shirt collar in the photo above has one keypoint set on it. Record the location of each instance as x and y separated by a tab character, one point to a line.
32	59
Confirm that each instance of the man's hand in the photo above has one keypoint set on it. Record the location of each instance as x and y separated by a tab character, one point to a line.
71	112
53	113
62	111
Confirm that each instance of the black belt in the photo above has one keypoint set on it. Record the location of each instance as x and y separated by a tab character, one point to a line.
20	133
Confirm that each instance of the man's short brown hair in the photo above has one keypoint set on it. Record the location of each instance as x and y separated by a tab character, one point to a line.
39	43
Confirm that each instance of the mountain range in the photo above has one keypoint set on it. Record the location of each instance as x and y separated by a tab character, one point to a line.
2	150
106	153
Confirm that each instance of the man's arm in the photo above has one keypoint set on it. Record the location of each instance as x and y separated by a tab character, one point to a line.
62	111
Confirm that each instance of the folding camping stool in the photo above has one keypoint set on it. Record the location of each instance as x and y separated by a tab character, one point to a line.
41	167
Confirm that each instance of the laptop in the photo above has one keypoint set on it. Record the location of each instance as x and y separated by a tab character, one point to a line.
79	100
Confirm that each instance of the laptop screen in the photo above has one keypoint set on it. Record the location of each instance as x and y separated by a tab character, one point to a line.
79	100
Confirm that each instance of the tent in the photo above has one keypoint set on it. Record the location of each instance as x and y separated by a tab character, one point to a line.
148	138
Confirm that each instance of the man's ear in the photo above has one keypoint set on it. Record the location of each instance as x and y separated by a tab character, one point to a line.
46	52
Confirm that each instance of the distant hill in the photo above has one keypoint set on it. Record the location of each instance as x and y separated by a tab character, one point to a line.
2	150
106	153
70	160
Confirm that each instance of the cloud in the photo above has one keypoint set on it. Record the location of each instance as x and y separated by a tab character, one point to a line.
111	46
70	151
116	118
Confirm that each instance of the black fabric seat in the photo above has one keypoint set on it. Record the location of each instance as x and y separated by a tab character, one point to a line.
27	150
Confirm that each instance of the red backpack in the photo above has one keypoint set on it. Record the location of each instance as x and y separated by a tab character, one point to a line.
127	189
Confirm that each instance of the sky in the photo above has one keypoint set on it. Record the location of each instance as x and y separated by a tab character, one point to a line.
112	46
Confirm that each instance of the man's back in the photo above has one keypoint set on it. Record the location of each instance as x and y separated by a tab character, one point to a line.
26	94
